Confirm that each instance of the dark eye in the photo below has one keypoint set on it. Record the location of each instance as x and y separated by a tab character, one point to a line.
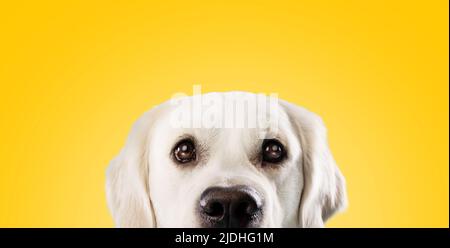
184	151
272	151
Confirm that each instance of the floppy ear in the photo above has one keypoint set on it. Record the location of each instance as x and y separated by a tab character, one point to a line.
324	191
127	188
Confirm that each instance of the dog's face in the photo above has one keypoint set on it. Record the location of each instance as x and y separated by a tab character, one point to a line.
174	173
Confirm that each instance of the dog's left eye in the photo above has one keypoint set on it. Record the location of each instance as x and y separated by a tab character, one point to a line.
273	151
184	151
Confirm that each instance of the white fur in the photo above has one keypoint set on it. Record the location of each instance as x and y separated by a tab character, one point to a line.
146	189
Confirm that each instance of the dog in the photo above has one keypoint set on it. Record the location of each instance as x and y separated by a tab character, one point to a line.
185	164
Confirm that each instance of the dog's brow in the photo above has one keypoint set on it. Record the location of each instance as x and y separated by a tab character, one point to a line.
276	135
199	136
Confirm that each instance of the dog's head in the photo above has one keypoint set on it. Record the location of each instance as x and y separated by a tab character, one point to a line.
196	172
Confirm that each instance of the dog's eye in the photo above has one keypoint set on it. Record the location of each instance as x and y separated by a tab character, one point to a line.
272	151
184	151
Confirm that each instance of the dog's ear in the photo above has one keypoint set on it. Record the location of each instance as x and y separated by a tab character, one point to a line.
324	190
127	186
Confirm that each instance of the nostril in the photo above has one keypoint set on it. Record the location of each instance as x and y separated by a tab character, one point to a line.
250	208
245	209
214	209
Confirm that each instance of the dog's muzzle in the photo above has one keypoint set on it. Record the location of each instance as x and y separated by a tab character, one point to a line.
237	206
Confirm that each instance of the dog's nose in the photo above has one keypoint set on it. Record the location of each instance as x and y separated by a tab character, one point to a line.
237	206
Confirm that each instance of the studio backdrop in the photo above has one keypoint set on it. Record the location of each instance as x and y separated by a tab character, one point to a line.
76	75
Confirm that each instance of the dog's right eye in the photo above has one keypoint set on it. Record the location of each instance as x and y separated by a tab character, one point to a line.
273	151
184	151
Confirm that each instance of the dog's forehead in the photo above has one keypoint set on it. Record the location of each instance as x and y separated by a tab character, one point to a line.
237	106
230	115
229	110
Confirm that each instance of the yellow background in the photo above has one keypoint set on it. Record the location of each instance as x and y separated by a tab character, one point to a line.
75	75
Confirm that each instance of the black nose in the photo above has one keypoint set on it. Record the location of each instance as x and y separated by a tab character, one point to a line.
237	206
